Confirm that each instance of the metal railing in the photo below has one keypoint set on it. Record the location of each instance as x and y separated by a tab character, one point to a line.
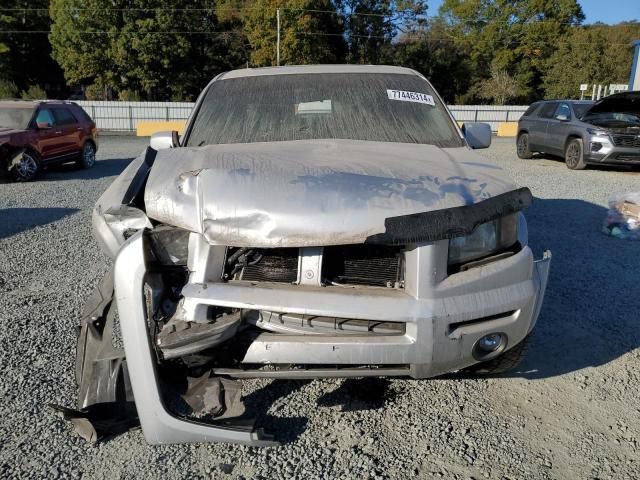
124	116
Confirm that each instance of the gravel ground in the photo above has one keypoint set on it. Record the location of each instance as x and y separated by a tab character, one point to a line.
572	411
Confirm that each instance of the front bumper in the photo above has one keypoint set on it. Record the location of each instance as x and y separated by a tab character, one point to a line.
614	156
443	321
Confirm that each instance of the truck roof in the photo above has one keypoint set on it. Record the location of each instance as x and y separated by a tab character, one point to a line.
308	69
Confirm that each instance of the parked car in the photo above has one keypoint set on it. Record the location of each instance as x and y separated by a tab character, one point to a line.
34	135
316	221
606	132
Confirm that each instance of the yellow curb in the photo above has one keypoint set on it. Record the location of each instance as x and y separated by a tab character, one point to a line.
146	129
507	129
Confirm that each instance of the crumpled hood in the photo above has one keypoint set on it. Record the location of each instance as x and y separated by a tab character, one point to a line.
311	193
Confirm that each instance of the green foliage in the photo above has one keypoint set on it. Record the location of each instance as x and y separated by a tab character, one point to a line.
158	48
34	92
598	54
299	19
501	51
8	89
370	26
25	57
439	58
517	36
95	91
129	96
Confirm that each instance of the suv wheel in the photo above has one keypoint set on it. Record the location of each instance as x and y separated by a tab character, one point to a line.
26	169
504	363
522	146
573	156
87	156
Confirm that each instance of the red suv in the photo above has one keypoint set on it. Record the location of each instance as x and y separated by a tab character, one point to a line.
36	134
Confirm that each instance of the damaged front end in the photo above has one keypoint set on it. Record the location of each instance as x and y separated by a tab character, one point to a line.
365	276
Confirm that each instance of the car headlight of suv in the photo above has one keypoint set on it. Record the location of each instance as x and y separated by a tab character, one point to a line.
597	132
485	240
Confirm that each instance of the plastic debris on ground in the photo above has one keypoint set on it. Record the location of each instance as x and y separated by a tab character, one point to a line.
623	217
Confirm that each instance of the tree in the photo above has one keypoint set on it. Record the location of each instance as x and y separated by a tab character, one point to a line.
311	31
517	36
598	54
500	87
432	52
156	49
25	53
83	33
371	25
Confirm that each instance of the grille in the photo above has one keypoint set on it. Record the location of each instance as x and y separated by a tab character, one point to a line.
275	265
627	157
626	140
362	265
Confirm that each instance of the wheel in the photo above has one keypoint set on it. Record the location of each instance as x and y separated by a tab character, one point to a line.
522	146
26	168
87	156
573	156
504	363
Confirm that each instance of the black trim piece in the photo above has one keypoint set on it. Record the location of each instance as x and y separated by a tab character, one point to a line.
450	222
140	179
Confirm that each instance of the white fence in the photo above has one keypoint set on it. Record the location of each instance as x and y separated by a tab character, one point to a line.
124	116
490	114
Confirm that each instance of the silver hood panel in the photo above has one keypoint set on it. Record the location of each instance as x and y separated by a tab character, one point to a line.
311	193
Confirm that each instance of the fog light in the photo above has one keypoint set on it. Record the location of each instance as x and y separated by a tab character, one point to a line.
490	346
490	343
596	147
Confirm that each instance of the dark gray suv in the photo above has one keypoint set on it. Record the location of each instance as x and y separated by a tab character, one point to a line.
583	132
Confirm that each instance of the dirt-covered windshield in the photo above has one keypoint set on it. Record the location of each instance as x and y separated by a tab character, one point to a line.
270	108
15	118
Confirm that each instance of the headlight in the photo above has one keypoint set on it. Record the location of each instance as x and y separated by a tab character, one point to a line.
598	132
486	239
169	245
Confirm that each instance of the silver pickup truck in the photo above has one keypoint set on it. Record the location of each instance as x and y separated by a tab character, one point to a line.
319	221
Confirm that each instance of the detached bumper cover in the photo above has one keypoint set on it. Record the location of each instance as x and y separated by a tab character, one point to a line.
158	424
505	296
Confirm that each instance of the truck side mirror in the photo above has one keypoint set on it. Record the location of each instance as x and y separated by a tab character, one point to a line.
164	140
477	134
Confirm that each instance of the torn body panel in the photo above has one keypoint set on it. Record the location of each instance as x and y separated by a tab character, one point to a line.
119	211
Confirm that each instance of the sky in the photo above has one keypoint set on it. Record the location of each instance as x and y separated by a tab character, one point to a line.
611	11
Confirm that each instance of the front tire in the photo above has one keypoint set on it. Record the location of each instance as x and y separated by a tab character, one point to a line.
522	147
574	155
26	168
87	156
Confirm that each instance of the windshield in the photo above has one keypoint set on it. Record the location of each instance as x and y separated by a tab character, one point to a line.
580	108
377	107
15	118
